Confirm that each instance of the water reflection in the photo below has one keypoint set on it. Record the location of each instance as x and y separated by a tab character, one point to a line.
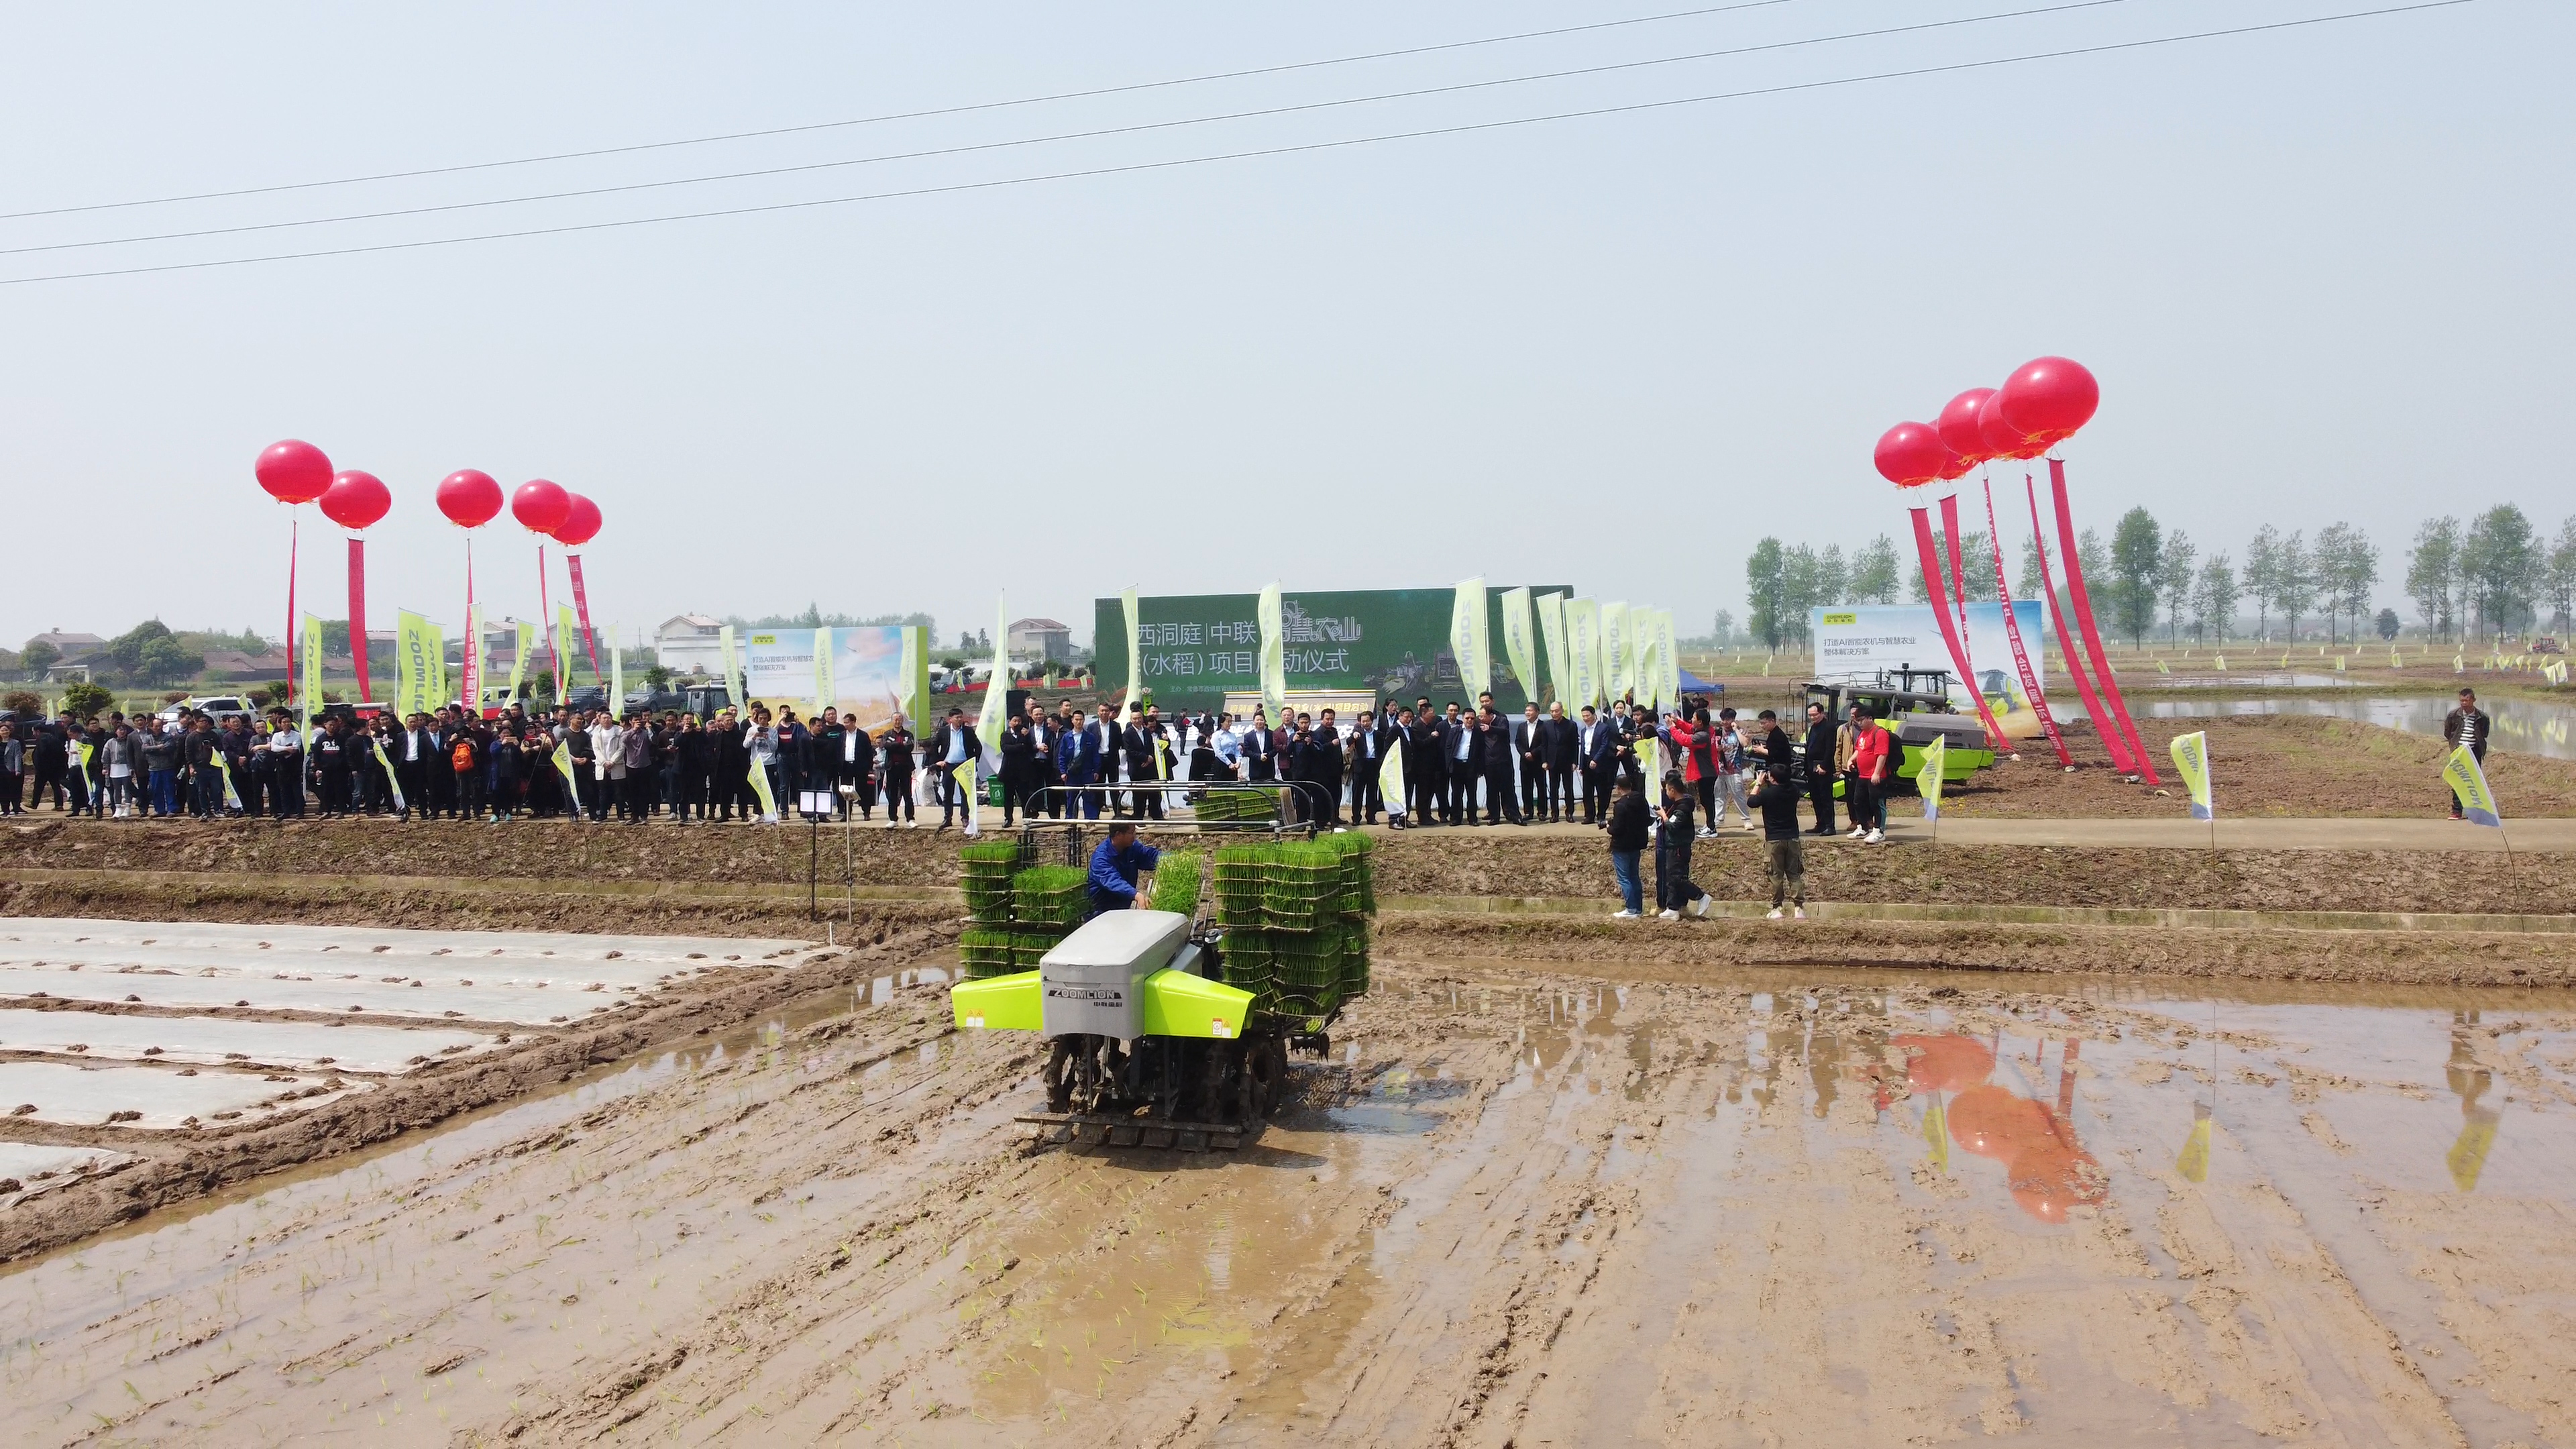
2470	1079
2046	1168
2524	726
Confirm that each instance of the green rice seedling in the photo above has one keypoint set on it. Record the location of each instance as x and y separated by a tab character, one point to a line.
1176	882
984	871
1051	895
984	952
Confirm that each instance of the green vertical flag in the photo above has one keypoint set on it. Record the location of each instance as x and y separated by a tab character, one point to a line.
1520	642
526	646
1551	632
823	694
1274	653
1618	664
418	651
988	721
733	680
913	680
2469	783
1583	652
2191	758
567	627
1467	638
312	672
616	672
1135	657
1670	654
1936	758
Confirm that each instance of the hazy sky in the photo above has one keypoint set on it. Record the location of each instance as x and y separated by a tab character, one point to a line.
2322	273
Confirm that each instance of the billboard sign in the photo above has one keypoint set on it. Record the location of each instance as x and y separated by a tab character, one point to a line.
874	676
1855	642
1386	643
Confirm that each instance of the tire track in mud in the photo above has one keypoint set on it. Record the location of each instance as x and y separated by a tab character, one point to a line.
1509	1209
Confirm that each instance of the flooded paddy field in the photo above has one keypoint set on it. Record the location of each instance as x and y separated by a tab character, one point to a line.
1648	1203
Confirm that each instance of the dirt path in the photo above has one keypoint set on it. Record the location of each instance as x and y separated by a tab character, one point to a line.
1691	1207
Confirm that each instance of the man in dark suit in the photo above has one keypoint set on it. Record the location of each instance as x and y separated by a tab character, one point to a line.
1557	757
1494	744
1597	748
1426	769
1466	752
1260	750
1529	745
1148	758
1820	767
1319	763
1077	761
1363	757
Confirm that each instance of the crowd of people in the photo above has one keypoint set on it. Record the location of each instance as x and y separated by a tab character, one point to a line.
454	765
1458	768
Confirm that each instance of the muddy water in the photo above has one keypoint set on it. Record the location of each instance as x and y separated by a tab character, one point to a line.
1779	1207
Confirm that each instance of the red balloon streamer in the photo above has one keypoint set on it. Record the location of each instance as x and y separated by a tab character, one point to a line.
473	677
1959	597
2012	631
1941	610
546	625
2084	621
2066	649
581	605
358	611
294	660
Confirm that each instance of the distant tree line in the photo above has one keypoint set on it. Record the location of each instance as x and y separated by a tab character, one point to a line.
2497	575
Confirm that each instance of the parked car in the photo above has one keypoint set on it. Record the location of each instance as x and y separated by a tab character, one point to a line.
217	705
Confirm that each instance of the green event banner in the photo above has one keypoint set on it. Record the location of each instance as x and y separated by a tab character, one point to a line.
1393	643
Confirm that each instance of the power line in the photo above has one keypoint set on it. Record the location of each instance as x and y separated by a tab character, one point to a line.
911	115
1289	150
1094	134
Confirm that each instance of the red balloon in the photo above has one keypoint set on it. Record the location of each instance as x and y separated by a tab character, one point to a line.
1958	425
1957	469
293	471
469	497
2002	439
355	500
1911	454
2049	399
580	523
1945	1063
539	505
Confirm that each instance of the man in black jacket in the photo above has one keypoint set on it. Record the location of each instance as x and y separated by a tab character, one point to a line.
1556	756
1820	767
1365	755
1466	752
1426	770
1529	748
1148	758
1319	760
1597	749
1494	742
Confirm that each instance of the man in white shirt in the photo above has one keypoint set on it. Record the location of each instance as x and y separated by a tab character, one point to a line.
608	757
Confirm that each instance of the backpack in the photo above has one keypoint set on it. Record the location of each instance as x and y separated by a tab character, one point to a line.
462	756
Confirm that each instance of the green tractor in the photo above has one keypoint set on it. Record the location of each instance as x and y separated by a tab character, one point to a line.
1169	1025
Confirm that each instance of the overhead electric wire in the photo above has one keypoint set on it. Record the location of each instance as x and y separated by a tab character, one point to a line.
1954	67
957	110
1094	134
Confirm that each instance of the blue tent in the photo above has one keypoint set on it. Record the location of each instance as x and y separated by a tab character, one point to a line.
1693	684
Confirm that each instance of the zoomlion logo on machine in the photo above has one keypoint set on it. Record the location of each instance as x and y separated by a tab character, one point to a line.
1096	995
1842	618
